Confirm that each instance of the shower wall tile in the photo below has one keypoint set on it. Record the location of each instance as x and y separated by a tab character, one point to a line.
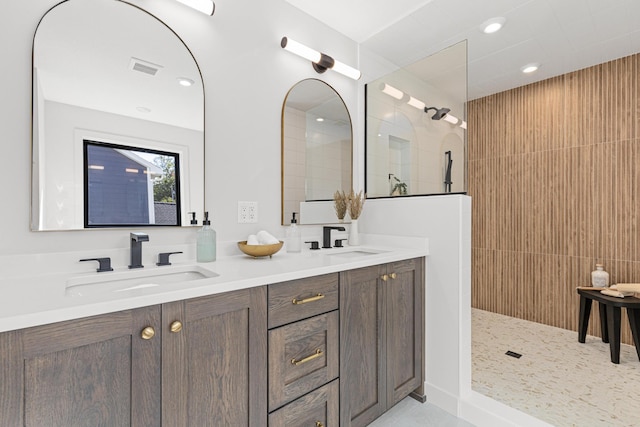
555	181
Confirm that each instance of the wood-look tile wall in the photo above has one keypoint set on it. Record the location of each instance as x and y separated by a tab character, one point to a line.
554	173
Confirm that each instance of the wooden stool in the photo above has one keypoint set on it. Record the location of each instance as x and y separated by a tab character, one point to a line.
609	319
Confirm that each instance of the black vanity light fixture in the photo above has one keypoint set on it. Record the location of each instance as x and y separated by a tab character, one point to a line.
204	6
320	61
440	113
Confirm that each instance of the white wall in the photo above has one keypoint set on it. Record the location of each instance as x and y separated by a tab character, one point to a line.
446	221
246	75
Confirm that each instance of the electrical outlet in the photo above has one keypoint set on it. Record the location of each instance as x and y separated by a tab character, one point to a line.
247	212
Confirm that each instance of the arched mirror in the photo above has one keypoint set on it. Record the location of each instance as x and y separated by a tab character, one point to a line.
317	153
118	120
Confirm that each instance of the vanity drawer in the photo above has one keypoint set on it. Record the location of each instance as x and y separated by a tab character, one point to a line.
299	299
302	356
319	406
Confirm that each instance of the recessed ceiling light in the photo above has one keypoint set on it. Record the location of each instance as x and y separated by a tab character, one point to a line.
183	81
143	109
530	68
492	25
319	119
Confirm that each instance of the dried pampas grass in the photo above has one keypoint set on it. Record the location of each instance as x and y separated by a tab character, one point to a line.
356	203
340	202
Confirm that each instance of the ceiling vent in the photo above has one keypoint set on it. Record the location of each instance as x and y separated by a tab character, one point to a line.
144	66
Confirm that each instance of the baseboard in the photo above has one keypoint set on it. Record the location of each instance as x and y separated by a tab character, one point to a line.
482	411
441	398
418	396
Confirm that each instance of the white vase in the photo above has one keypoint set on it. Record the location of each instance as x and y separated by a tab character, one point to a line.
354	237
599	277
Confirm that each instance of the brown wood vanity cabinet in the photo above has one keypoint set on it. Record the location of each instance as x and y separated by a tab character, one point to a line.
304	352
198	362
382	339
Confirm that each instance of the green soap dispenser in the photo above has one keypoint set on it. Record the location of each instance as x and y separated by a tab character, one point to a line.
206	241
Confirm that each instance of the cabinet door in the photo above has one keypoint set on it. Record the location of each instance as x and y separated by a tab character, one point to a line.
405	326
362	334
318	408
214	366
96	371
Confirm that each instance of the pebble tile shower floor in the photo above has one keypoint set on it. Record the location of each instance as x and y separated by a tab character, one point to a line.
557	379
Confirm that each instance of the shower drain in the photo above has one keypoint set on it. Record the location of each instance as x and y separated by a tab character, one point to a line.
513	354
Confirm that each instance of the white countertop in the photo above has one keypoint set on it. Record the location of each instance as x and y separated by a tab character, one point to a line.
31	301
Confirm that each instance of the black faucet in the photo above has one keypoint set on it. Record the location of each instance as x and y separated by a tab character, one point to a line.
136	249
326	235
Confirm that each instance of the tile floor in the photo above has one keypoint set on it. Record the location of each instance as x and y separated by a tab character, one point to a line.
411	413
557	379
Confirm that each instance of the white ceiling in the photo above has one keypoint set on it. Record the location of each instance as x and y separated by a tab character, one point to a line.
561	35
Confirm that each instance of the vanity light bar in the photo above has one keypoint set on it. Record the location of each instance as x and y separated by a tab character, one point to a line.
320	61
416	103
204	6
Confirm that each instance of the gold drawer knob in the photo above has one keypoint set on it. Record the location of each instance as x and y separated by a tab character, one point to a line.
384	277
315	355
176	326
307	300
148	333
319	424
393	275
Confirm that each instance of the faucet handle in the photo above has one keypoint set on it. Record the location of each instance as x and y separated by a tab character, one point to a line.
104	263
163	257
338	243
314	244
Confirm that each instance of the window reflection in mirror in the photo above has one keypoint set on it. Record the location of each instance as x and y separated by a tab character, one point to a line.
128	186
408	152
105	70
316	152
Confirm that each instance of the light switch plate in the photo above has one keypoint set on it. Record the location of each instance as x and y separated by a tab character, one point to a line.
247	212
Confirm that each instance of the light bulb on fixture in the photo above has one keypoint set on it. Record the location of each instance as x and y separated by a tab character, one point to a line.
451	119
391	91
320	61
416	103
204	6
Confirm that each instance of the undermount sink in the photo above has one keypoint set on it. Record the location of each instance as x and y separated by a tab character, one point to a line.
354	253
102	283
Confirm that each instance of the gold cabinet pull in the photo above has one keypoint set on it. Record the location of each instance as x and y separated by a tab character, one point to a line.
306	300
148	333
315	355
319	424
384	277
176	326
393	275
